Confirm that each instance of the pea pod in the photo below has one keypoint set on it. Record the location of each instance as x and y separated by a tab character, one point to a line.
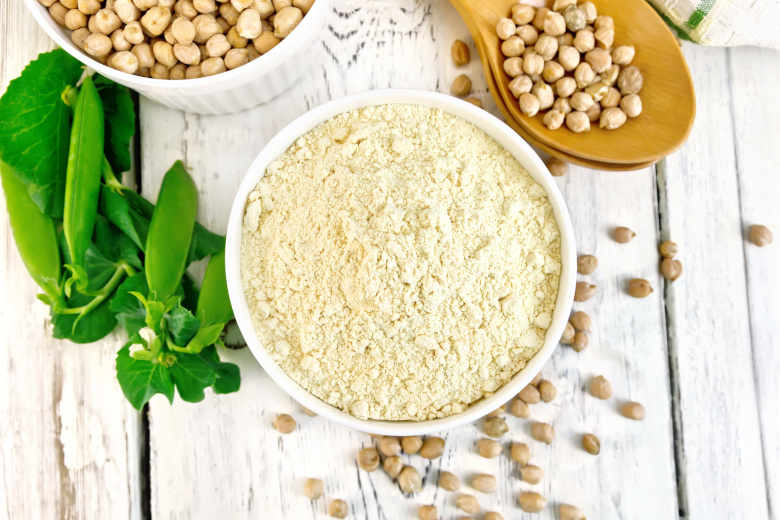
85	167
35	234
170	232
213	302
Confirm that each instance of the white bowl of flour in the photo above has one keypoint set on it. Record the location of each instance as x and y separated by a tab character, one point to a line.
400	261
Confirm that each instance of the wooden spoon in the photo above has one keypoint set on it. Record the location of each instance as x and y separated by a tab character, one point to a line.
668	98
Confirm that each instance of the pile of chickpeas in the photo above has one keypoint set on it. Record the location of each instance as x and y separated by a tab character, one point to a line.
177	39
563	61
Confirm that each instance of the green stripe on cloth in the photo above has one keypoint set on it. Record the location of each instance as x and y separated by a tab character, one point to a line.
701	12
681	33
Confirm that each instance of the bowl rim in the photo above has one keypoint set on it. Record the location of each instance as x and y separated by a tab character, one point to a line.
268	61
496	129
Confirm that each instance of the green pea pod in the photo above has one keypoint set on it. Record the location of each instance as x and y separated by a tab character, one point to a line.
213	302
85	168
35	235
170	232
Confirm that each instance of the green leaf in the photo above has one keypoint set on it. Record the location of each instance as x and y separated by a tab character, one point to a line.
140	380
206	336
130	312
35	127
114	244
95	325
119	111
204	243
228	374
183	325
192	374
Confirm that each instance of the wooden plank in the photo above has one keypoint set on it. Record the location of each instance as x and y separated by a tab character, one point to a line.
70	446
720	456
754	72
222	457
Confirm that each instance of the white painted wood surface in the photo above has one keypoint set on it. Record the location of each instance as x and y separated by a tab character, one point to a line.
701	354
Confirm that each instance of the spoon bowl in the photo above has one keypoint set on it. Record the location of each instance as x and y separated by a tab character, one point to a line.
668	98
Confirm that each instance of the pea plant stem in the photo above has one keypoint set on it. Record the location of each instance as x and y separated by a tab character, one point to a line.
123	269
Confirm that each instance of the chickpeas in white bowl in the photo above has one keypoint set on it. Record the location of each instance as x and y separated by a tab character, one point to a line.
227	55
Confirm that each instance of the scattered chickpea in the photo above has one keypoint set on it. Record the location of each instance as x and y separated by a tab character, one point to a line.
338	509
390	446
639	288
448	481
393	466
543	432
284	423
568	334
498	411
633	411
612	98
485	483
668	249
630	81
577	122
520	453
307	411
460	53
547	390
532	502
580	342
427	513
489	448
368	459
411	445
568	512
557	167
591	444
531	474
581	321
461	86
313	488
612	118
495	427
586	264
584	291
601	388
409	480
492	515
631	105
760	235
530	394
671	269
623	235
432	448
468	504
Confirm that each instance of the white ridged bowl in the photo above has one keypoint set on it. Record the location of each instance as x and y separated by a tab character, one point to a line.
496	129
233	91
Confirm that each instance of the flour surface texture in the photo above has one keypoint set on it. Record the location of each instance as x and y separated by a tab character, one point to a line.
399	264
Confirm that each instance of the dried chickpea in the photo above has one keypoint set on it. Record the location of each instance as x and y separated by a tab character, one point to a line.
597	90
611	99
630	81
313	488
671	269
633	411
552	72
565	87
411	445
492	515
183	30
87	7
489	448
484	483
599	60
505	28
529	104
520	408
584	41
145	5
584	75
97	45
581	101
530	394
156	20
467	503
303	5
536	379
144	54
393	466
623	235
284	423
623	55
217	46
580	342
584	291
389	446
448	481
78	36
498	411
532	502
205	6
611	75
562	105
528	34
163	52
281	4
760	235
338	509
409	480
92	24
639	288
591	444
605	37
600	388
513	47
562	5
589	10
206	26
581	321
531	474
460	53
193	72
668	249
586	264
236	58
594	113
432	448
612	118
265	42
368	459
75	19
427	513
544	93
543	432
249	24
229	13
495	427
546	46
240	5
252	53
523	14
185	9
575	18
553	119
539	18
119	41
604	22
58	12
568	512
565	39
264	7
286	20
520	453
461	86
133	33
160	71
513	67
568	57
125	61
568	334
631	105
533	64
521	85
547	390
554	24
